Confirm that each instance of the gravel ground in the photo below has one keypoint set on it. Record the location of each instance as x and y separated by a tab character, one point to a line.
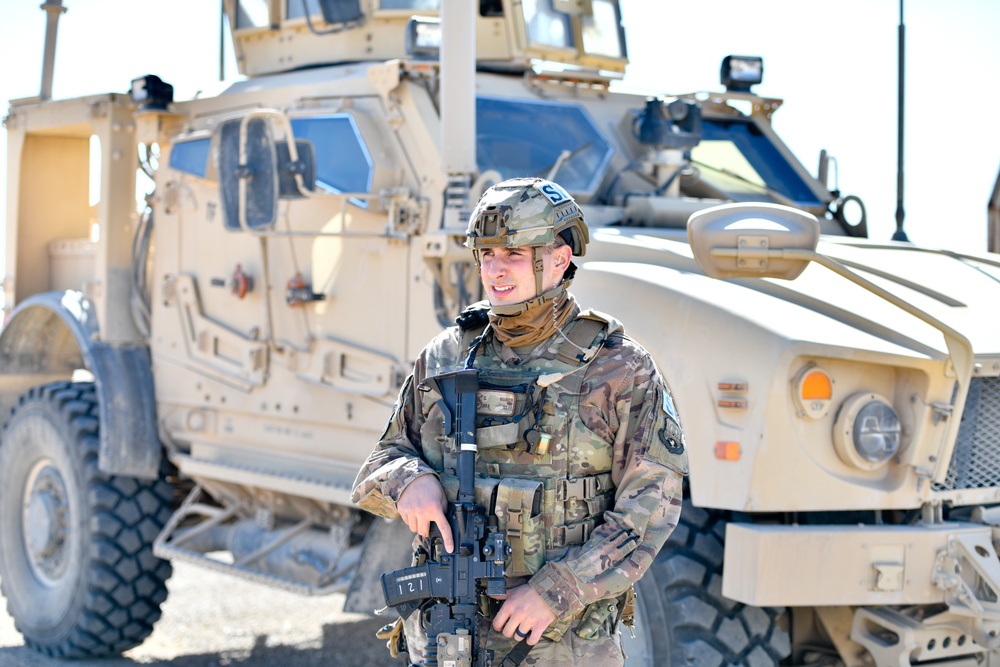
211	619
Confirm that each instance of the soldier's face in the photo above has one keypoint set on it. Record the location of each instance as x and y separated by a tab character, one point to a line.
508	274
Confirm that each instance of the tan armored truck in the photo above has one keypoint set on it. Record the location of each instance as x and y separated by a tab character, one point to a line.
200	377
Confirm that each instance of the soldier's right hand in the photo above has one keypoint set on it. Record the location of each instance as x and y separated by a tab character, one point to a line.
423	502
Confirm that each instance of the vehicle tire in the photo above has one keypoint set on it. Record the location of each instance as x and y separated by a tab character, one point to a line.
682	617
76	558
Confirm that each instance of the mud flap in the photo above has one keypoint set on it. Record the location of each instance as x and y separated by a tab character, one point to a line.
388	546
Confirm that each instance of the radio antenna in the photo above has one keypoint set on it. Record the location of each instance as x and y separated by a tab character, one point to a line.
899	234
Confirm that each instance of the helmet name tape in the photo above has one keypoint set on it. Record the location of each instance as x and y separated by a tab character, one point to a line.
554	193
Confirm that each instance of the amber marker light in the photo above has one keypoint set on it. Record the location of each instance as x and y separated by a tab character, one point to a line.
813	391
728	451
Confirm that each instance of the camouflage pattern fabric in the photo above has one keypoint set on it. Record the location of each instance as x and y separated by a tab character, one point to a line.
601	648
605	441
526	212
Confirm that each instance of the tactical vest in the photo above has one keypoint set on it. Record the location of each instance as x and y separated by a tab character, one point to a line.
539	470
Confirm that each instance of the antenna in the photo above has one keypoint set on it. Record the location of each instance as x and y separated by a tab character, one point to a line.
54	9
993	218
222	40
899	234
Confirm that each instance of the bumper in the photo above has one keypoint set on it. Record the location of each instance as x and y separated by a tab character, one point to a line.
861	565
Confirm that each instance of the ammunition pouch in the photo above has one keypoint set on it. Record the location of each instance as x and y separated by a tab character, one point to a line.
519	515
620	610
626	610
595	616
521	505
485	490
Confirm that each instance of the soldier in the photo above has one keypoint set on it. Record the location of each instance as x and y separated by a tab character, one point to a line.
581	454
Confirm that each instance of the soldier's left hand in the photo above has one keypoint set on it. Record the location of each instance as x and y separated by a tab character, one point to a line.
525	613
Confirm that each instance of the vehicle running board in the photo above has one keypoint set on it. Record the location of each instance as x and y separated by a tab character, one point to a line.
297	557
254	477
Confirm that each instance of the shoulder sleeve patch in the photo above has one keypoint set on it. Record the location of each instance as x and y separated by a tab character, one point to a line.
666	446
668	406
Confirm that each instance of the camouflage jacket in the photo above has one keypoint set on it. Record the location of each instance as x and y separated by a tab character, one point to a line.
584	474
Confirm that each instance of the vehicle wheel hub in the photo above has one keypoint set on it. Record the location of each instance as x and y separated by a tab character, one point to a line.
46	523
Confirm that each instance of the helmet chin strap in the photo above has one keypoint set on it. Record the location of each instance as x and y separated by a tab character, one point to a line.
516	309
539	268
537	254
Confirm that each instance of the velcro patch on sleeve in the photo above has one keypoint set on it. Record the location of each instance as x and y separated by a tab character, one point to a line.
667	442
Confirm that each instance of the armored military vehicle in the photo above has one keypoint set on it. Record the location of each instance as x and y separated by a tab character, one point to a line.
199	378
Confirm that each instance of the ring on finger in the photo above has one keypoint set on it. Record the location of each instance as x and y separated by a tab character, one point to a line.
519	634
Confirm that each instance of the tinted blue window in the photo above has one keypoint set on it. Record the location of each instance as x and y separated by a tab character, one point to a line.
526	138
191	156
342	160
762	156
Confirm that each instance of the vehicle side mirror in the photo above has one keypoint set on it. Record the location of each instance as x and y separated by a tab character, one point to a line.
287	169
753	240
249	189
823	172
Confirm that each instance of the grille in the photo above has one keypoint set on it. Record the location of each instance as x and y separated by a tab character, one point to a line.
975	463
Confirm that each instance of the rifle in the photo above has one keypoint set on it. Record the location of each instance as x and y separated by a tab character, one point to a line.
448	586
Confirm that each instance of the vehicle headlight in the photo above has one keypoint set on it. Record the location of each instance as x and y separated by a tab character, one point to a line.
867	431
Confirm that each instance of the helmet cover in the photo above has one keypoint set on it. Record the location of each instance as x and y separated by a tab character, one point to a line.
526	212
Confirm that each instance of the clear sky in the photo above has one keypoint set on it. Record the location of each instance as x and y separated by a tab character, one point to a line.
832	61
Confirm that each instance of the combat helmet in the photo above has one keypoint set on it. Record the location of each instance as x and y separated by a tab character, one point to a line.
529	212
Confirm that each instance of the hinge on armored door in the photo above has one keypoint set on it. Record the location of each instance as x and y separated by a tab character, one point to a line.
407	214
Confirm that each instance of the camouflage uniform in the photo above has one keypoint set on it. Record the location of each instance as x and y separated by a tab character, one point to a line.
612	423
580	457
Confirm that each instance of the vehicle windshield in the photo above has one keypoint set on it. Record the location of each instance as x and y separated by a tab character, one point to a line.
560	141
535	138
737	160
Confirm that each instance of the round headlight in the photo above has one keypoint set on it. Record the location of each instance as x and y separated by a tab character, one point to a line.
867	432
